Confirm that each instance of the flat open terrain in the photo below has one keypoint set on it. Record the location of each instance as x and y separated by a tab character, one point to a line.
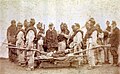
6	67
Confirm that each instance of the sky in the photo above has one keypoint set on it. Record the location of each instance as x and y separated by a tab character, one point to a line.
57	11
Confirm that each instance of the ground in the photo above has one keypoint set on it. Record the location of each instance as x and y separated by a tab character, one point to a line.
7	67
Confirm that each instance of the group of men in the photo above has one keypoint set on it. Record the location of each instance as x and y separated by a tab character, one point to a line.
26	36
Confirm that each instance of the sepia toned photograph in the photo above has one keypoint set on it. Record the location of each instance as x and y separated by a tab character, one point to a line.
59	36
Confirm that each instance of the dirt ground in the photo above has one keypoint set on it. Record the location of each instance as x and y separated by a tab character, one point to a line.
7	67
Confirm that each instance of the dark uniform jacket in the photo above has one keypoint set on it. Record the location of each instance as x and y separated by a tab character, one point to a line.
11	32
106	34
114	38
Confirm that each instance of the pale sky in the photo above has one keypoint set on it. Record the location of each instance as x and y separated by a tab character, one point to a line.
57	11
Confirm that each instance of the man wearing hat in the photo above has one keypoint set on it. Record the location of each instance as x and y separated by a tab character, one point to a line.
114	41
11	32
51	38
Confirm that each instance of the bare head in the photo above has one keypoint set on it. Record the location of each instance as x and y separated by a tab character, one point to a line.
114	24
19	25
63	26
32	22
39	25
107	23
13	22
91	22
25	23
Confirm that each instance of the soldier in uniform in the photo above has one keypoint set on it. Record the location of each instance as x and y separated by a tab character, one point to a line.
11	32
62	37
51	39
106	41
114	41
30	44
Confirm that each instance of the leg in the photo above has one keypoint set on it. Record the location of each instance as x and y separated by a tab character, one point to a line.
115	55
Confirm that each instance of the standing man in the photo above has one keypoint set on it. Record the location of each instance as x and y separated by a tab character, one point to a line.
114	41
75	41
91	37
62	37
40	37
20	34
51	38
99	42
25	24
11	32
106	41
30	44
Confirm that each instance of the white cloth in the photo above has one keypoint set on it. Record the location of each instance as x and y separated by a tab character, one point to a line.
62	46
76	40
94	38
30	37
77	45
90	53
30	54
20	43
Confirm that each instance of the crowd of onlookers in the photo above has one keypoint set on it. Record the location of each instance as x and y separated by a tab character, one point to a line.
26	36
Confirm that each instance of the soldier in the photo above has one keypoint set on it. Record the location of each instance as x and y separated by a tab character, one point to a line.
51	39
75	41
62	37
20	34
91	38
11	32
106	41
30	44
114	41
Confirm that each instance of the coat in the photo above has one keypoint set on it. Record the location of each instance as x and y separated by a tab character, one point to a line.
114	38
51	39
11	32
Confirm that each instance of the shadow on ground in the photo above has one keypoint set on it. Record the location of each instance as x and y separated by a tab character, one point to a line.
6	67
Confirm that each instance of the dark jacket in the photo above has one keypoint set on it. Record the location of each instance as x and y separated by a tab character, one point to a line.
51	39
11	32
114	38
